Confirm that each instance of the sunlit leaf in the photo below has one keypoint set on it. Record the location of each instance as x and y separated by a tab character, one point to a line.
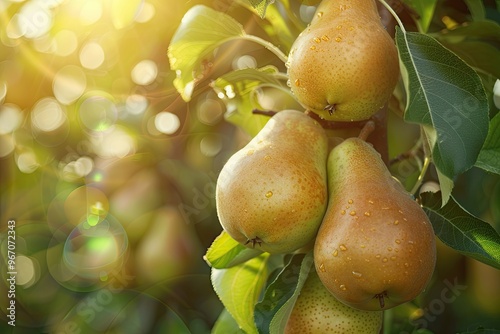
202	30
239	287
239	90
446	94
489	157
425	10
261	6
462	231
272	313
225	324
226	252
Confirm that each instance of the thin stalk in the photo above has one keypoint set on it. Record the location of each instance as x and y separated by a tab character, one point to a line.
393	13
268	45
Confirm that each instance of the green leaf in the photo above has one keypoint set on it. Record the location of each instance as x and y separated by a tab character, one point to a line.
489	157
475	44
476	9
445	93
201	32
272	313
261	6
481	330
225	252
462	231
225	324
239	91
239	287
425	10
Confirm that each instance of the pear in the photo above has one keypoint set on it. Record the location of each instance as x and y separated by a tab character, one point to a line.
317	311
344	66
272	193
376	247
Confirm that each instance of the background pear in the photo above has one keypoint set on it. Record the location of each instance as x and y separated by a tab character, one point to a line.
272	193
344	66
376	247
316	311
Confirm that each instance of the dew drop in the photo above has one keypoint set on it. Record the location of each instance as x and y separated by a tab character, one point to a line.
320	14
350	201
356	274
317	39
377	256
411	242
313	47
397	241
351	28
342	212
406	264
339	27
389	249
348	258
335	253
342	287
362	246
385	259
352	213
343	247
396	222
297	82
370	201
269	194
338	39
400	211
393	258
250	152
367	214
267	157
325	38
322	267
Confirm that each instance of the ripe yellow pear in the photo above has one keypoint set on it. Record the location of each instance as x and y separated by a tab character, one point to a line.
344	66
316	311
376	247
271	194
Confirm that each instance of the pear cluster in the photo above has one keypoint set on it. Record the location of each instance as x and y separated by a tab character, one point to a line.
288	189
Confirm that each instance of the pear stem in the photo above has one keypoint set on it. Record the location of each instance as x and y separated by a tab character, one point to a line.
367	130
268	45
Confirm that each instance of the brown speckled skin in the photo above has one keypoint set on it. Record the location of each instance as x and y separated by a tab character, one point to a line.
346	58
316	311
374	238
275	187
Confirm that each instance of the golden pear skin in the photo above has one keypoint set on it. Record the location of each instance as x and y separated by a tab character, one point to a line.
271	194
316	311
376	247
344	66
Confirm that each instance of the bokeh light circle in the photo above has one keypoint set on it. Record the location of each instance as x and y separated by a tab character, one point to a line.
116	143
92	55
97	111
69	84
11	118
210	111
136	104
145	72
47	115
27	162
92	249
167	122
90	12
7	145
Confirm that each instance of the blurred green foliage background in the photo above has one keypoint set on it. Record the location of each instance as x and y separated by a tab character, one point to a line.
110	176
